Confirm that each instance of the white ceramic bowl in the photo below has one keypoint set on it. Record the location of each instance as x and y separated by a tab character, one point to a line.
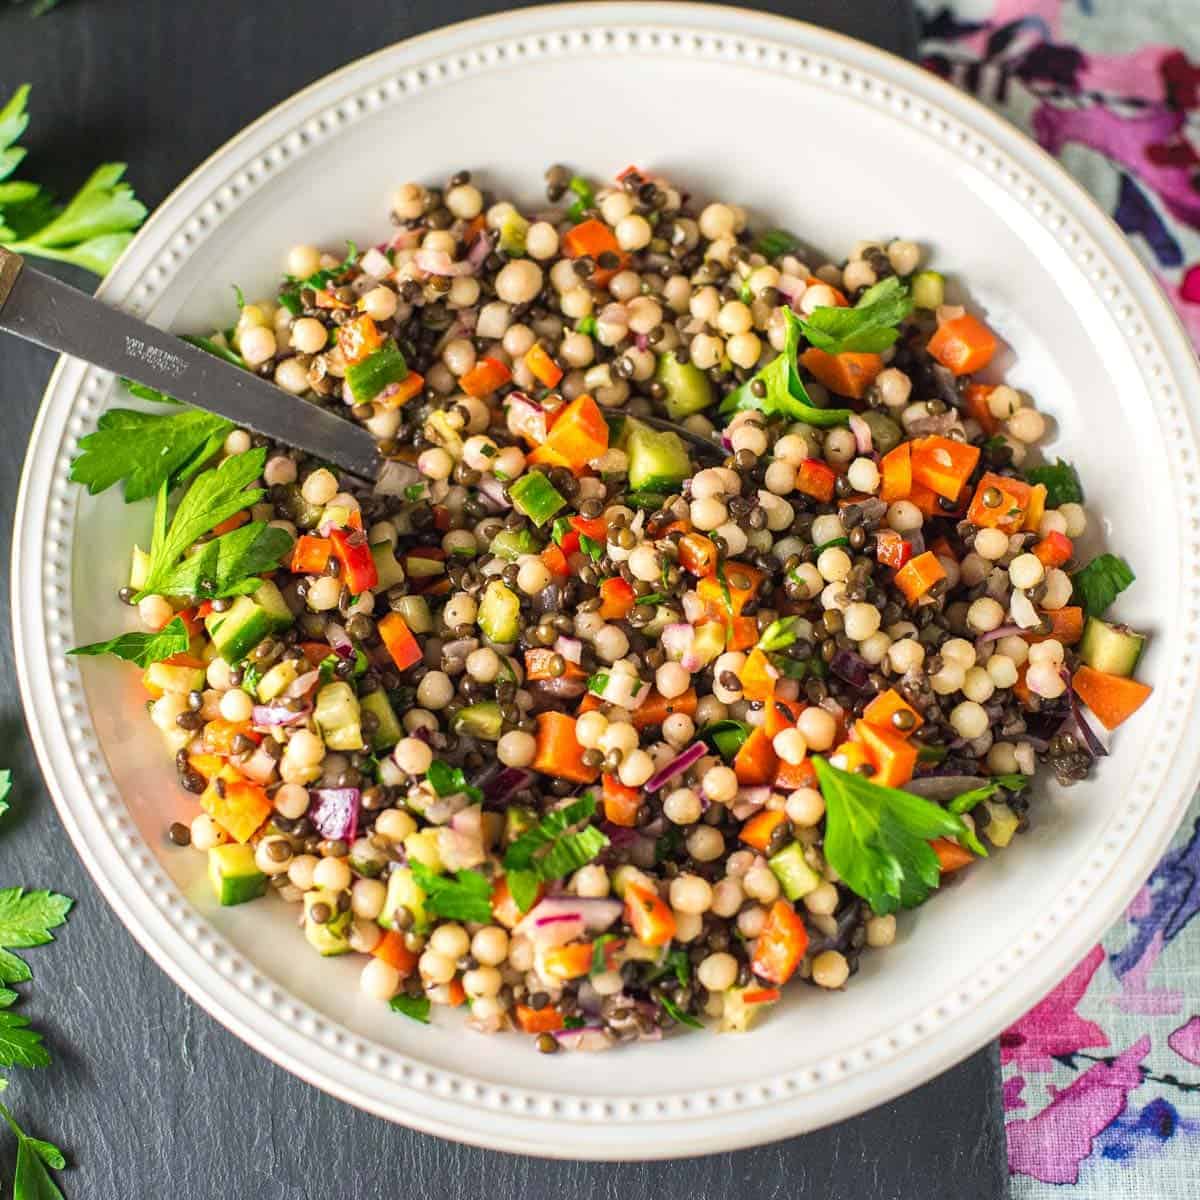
819	134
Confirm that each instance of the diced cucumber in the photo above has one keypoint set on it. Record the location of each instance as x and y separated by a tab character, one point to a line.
516	821
658	461
1002	823
387	565
482	720
709	642
513	229
499	614
234	874
248	620
421	567
139	569
1113	649
929	290
387	731
280	677
688	389
166	678
795	876
445	433
403	893
377	371
737	1016
512	543
416	614
327	937
422	846
534	496
338	717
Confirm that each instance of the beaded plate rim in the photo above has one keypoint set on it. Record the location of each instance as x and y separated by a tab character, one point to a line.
382	1080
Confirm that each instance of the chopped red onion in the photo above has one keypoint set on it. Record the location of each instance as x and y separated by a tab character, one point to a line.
278	714
339	639
678	640
999	632
692	755
748	801
481	247
596	914
505	784
862	433
438	262
1078	723
334	812
570	648
851	667
394	477
524	418
405	239
260	766
493	491
592	1038
375	265
641	341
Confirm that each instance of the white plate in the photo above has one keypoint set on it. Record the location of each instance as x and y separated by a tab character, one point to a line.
819	134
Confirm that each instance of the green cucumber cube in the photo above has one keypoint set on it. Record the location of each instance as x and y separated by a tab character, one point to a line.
234	874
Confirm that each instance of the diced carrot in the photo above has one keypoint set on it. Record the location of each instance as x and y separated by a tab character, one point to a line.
326	299
542	367
540	659
401	393
792	776
950	855
977	406
555	561
779	715
231	523
592	238
1010	499
742	633
656	708
402	646
758	676
648	915
816	479
697	554
616	599
883	709
1020	689
847	374
926	501
760	828
756	762
558	753
568	962
504	907
1054	549
895	758
358	339
915	578
538	1020
590	702
395	953
621	803
1036	508
238	806
895	471
743	582
1113	698
487	376
310	555
943	465
1066	626
207	765
781	945
456	994
578	435
219	735
850	756
963	344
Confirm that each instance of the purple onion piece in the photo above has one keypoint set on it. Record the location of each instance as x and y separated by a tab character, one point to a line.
1077	723
334	812
851	667
862	434
339	639
507	783
693	754
277	714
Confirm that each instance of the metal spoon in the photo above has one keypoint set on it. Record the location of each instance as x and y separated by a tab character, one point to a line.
40	309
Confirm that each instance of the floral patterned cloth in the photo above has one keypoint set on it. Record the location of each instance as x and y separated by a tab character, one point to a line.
1102	1078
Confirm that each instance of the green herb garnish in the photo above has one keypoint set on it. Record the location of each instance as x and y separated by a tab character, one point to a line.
877	838
450	781
465	897
416	1007
775	243
289	295
592	548
1061	481
142	648
778	635
548	851
677	1014
965	801
726	737
1098	584
871	326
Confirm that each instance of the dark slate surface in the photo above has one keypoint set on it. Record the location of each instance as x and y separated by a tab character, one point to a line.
151	1097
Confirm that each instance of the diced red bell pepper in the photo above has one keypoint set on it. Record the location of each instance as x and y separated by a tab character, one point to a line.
543	368
351	549
402	646
1054	549
359	339
816	479
781	945
616	599
487	376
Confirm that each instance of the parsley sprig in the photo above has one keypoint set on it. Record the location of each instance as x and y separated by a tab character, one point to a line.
289	294
141	648
90	230
1098	584
877	838
465	897
871	326
548	851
